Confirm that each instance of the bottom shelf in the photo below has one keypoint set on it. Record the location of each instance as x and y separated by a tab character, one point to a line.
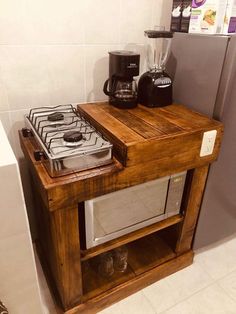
143	255
148	253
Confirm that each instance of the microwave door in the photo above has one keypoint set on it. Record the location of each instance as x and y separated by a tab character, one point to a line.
118	213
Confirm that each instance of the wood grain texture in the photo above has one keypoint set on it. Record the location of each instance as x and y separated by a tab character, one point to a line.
58	234
191	208
147	253
65	237
155	128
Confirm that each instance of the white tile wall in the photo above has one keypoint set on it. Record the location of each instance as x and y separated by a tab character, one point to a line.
102	21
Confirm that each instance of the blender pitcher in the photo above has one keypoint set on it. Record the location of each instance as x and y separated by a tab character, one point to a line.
155	85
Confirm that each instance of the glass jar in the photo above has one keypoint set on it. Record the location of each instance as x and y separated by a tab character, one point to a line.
120	256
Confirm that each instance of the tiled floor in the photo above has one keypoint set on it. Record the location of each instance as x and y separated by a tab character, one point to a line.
208	286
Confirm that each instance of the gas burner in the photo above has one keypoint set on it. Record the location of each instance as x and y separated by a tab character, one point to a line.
56	116
72	136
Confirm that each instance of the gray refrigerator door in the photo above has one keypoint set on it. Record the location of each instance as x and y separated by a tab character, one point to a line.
204	70
195	64
217	220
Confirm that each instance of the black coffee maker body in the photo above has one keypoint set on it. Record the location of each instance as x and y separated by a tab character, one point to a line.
121	86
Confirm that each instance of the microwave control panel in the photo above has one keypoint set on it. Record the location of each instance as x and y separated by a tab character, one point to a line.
175	193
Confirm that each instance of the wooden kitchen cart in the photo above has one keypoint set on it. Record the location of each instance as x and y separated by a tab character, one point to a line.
148	144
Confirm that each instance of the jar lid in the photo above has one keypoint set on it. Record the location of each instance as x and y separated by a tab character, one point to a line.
158	34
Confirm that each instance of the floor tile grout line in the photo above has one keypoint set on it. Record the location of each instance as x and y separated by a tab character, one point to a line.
226	275
149	302
203	268
187	297
223	289
214	279
190	296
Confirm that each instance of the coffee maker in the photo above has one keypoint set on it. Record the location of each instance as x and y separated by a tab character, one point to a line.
121	86
155	85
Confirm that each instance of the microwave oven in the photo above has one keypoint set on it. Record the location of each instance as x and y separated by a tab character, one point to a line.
115	214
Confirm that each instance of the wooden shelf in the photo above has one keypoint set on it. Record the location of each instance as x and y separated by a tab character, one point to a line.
147	253
143	255
94	283
87	254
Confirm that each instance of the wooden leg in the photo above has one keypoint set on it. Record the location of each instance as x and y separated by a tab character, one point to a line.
66	256
192	208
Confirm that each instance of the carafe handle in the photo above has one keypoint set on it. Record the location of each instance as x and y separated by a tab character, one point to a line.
106	92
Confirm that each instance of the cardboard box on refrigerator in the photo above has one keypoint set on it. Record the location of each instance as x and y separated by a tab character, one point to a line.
230	18
185	16
176	16
207	16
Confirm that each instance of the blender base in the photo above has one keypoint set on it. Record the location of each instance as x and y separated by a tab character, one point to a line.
155	89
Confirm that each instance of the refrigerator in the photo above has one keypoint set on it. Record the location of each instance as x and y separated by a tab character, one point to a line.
203	68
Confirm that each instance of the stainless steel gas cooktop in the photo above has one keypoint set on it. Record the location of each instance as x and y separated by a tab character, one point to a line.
68	143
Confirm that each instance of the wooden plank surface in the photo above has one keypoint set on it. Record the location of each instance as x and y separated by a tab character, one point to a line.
147	253
158	130
114	126
137	124
155	120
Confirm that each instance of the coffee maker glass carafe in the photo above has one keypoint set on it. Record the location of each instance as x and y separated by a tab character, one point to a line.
125	90
155	85
121	87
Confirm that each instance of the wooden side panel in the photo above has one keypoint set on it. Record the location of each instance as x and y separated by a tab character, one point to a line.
60	251
65	241
192	208
185	147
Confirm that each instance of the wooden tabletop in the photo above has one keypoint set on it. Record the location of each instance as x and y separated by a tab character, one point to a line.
148	143
136	133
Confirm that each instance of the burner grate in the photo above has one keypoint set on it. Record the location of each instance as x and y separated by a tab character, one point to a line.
51	124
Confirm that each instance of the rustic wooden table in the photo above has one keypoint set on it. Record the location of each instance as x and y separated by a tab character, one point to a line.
148	144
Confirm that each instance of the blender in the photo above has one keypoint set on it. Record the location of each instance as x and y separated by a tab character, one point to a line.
155	85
